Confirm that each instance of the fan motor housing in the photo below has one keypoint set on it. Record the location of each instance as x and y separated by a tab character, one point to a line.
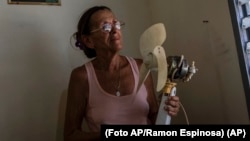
177	67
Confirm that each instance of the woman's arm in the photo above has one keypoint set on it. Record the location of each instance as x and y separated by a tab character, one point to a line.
76	108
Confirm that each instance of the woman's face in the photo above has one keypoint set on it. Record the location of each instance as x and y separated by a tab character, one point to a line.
105	37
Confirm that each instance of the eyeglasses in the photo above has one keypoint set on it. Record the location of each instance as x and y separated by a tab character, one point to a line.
107	27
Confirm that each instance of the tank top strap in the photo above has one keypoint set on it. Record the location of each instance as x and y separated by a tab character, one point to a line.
94	86
134	68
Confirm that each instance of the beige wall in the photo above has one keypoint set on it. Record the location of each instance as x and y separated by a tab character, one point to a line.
36	59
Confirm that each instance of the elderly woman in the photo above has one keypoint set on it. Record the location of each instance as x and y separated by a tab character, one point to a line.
103	90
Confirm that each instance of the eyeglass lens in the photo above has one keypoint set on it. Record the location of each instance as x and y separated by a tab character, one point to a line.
107	27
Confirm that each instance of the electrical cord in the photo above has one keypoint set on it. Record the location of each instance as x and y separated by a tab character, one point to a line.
185	113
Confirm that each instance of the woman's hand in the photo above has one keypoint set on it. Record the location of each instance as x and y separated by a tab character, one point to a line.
172	105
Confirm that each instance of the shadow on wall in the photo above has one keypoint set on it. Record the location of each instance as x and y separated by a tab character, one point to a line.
61	116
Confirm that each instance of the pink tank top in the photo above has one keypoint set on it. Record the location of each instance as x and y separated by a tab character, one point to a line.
104	108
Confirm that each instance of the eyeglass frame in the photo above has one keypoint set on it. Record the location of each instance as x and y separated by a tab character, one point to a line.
112	25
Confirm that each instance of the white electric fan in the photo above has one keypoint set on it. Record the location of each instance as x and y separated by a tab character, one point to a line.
154	59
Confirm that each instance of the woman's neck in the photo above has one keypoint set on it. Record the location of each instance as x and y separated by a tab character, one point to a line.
107	63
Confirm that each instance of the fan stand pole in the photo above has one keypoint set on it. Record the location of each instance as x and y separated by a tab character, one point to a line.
163	118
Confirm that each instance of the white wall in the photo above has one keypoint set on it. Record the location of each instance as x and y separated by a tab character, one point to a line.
36	60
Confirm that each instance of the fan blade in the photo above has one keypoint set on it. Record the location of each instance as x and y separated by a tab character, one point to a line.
153	54
154	36
159	54
144	71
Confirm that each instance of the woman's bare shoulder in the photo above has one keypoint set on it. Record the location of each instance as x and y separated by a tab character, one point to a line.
78	84
79	77
138	61
79	72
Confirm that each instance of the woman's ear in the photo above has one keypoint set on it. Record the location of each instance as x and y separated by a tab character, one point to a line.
87	41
